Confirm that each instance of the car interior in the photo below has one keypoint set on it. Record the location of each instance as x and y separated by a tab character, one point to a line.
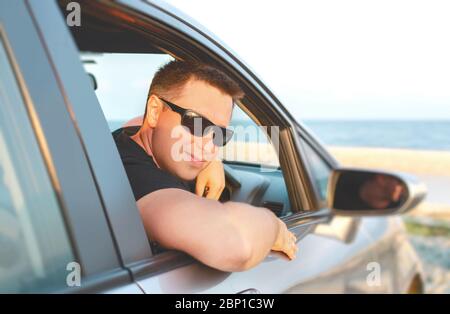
120	59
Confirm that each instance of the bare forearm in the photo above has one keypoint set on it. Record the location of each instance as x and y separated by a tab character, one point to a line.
230	236
257	226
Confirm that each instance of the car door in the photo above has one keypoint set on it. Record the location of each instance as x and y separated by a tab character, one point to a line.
52	220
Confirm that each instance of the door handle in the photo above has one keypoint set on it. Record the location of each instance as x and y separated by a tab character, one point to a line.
250	291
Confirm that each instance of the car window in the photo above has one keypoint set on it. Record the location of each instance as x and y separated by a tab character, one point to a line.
250	143
319	169
122	81
34	246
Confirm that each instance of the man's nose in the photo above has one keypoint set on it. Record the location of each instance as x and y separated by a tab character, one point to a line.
205	143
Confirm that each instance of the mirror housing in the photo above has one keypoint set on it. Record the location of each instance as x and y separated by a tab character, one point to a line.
369	192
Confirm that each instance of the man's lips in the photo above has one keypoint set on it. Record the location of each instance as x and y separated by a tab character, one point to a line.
193	158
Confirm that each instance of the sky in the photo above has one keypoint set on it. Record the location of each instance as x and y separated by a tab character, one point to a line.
350	59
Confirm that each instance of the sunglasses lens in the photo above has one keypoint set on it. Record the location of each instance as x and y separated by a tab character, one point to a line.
193	123
228	134
221	136
199	126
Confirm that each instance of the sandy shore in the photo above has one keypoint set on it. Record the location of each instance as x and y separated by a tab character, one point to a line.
418	162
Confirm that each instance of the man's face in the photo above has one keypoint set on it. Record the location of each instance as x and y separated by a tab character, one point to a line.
174	147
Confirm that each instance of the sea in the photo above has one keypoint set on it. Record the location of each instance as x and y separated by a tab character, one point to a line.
417	134
422	135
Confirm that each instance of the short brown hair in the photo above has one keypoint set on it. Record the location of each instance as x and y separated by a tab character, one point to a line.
171	77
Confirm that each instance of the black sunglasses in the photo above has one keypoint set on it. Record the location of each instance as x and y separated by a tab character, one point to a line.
190	118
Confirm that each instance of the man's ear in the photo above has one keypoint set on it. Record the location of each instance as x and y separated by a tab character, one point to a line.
154	108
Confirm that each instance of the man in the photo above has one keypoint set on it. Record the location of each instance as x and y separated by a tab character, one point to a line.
189	106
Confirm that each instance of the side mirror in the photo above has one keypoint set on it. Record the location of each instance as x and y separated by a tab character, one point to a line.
361	192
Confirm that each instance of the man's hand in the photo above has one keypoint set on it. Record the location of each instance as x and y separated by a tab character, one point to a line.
381	191
211	181
286	241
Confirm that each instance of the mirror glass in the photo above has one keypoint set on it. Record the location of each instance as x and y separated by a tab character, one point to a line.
364	190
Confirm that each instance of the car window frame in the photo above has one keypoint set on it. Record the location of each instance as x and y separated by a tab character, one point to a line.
259	98
320	203
32	226
307	137
68	169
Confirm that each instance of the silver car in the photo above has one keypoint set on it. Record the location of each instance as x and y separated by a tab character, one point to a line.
68	219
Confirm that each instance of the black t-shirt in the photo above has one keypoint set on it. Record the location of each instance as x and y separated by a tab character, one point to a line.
144	175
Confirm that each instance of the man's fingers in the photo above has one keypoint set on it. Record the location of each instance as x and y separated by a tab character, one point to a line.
292	252
291	246
200	187
214	193
288	243
293	237
210	195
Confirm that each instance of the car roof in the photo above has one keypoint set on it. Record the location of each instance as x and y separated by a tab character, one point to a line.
197	26
188	20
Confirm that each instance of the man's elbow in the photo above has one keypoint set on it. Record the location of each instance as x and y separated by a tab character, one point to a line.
242	259
238	252
235	256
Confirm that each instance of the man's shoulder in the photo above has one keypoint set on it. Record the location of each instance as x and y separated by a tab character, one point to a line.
124	132
126	146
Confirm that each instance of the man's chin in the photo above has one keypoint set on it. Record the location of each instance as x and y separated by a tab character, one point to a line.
189	173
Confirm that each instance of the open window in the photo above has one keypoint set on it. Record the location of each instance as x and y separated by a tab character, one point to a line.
121	82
